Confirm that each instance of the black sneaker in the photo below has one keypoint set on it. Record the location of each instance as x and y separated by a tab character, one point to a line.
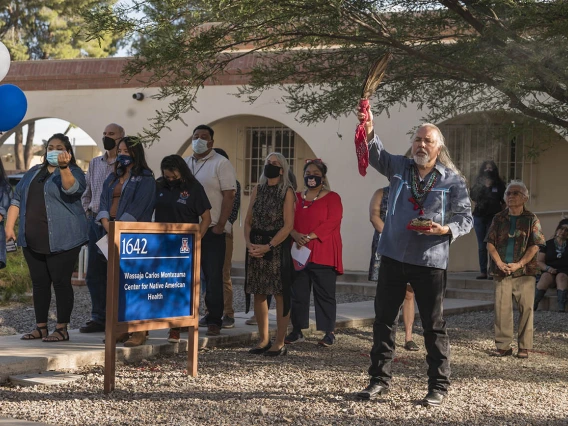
203	321
294	337
92	327
228	322
327	340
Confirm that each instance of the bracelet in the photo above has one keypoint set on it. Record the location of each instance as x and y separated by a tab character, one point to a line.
308	237
270	246
63	167
548	268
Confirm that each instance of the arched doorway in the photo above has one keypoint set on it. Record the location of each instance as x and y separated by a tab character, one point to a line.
33	134
248	139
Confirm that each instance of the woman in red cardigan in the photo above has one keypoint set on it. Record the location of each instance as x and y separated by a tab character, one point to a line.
317	224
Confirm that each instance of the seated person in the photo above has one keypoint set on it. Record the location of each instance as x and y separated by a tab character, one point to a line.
553	262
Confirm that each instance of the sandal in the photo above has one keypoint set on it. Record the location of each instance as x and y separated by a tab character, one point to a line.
54	338
32	336
523	353
411	346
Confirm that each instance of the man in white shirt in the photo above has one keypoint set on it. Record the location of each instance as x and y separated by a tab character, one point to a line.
99	169
218	178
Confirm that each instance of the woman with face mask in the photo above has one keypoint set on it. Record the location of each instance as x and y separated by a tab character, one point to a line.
269	220
52	229
180	198
317	223
487	192
128	194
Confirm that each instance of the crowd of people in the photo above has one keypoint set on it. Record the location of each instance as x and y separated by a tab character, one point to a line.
60	209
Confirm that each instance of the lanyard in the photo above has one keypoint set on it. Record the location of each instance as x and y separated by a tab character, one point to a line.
193	166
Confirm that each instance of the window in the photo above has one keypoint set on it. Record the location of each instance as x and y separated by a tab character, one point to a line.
508	145
261	141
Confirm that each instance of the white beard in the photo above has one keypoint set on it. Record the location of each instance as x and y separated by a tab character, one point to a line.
422	160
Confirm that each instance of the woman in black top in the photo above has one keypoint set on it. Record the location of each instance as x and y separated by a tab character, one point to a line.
180	199
487	192
553	262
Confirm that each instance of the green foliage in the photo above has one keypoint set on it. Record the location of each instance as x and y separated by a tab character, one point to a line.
451	57
15	279
38	29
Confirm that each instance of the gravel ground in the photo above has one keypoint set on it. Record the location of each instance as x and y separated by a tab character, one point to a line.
316	386
19	318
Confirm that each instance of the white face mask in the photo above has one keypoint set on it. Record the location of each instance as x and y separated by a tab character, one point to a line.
199	146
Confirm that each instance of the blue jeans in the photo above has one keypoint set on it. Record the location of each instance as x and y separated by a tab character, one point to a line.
96	274
429	285
481	225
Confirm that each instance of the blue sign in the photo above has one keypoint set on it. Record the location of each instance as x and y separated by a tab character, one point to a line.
155	276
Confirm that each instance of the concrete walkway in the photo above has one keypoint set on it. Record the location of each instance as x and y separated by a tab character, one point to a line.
26	357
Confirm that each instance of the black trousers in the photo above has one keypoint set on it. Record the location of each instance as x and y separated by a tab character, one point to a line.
429	285
323	279
212	260
46	269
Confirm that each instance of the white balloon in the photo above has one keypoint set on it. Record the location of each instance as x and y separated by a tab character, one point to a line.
4	61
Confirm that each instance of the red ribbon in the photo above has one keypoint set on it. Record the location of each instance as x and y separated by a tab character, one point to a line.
361	148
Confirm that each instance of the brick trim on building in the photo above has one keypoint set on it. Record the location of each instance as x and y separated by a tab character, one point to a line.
104	73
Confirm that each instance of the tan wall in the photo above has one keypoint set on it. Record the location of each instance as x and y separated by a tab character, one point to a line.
83	154
548	187
230	136
332	141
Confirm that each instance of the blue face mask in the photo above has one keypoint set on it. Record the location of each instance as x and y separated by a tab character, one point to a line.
51	157
124	160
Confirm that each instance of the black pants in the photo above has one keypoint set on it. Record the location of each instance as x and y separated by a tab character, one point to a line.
212	260
429	285
46	269
323	279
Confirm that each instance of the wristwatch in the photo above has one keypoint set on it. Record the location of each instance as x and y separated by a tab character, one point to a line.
270	246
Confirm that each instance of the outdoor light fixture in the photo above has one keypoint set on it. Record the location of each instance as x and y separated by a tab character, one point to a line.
138	96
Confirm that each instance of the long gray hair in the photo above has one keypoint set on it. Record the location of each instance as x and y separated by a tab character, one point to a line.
444	155
285	181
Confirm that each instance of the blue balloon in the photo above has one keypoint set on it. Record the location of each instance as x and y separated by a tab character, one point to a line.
13	106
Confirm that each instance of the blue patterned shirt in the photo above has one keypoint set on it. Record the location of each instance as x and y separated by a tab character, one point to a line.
447	203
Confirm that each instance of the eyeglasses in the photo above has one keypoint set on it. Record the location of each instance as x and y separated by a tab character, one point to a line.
513	193
314	161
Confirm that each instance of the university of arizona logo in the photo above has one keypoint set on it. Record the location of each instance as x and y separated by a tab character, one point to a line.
184	246
183	196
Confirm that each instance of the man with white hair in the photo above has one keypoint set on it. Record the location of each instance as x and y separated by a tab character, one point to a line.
513	242
428	208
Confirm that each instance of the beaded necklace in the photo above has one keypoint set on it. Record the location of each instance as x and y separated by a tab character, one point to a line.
304	198
419	192
559	248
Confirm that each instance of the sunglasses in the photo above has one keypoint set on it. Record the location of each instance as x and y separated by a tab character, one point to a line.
513	193
314	161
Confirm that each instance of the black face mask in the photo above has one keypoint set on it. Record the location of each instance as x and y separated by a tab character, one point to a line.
108	143
312	181
176	183
271	171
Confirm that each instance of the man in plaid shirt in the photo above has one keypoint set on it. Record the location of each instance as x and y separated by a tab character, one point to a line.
99	169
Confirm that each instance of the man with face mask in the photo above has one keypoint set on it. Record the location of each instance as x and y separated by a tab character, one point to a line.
429	207
99	169
217	176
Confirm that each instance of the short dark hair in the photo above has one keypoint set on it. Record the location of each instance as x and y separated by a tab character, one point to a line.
319	164
222	152
204	127
68	147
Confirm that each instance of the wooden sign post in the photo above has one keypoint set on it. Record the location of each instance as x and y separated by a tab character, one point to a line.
152	283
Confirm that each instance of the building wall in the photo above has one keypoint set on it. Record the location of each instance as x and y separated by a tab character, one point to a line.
332	141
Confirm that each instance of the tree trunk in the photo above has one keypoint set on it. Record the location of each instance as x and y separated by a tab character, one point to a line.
29	149
18	148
